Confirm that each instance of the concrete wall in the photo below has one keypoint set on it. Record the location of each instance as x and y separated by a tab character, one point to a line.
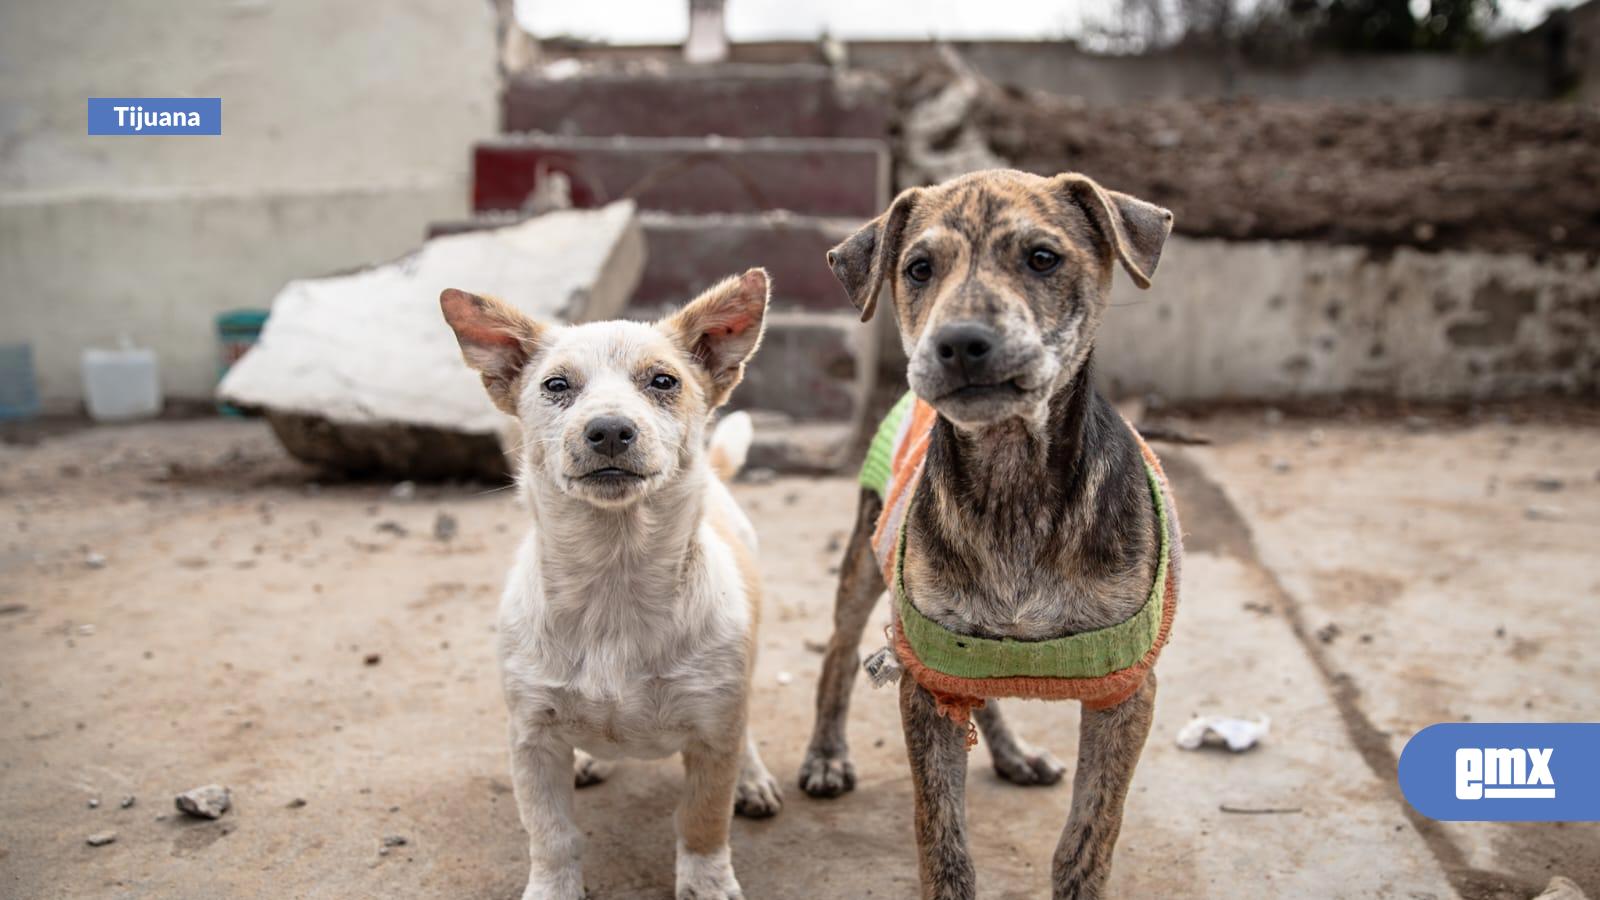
1280	319
346	128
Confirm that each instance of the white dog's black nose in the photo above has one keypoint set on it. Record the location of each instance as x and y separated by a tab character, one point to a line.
962	346
610	435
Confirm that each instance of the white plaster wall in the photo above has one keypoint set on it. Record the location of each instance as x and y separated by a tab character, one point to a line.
346	128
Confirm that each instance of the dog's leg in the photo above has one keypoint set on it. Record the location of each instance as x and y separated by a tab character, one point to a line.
827	770
757	795
705	862
1014	760
1109	744
937	749
586	770
541	775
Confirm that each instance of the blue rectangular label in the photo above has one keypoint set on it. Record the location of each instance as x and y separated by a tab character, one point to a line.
155	115
1504	772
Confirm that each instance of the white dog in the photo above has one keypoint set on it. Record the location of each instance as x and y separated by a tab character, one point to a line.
628	624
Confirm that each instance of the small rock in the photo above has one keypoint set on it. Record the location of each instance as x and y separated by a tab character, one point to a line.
816	646
127	802
1329	632
372	659
395	840
1316	437
759	476
392	527
444	526
296	803
94	802
1548	484
1281	465
102	838
785	677
1543	514
94	560
405	490
86	629
208	802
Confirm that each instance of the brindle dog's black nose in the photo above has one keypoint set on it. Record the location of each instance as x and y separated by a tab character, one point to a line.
610	435
964	346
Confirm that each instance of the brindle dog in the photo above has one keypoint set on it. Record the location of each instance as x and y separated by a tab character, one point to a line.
1034	518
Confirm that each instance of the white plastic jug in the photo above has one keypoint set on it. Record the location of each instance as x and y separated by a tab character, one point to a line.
122	384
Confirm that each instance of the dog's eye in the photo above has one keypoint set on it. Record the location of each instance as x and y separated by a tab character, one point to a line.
663	382
1042	260
556	384
919	271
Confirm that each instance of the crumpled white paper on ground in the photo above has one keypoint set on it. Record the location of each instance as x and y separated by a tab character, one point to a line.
1237	735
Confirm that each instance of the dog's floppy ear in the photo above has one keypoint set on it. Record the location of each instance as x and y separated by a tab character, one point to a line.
721	328
862	260
1135	229
495	339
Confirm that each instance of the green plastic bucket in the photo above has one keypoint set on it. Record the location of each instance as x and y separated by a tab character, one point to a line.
237	331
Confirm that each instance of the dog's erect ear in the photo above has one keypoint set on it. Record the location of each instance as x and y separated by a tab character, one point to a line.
1135	229
495	339
721	328
864	259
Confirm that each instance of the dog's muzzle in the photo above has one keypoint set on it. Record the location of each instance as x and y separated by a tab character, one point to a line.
970	369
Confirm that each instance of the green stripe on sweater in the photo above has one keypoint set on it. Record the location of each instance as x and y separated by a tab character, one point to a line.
880	454
1091	654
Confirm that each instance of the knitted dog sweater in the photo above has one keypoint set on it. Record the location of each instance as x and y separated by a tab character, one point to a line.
1100	668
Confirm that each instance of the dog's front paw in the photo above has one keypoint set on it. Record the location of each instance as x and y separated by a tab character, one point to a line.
1028	768
563	885
824	775
758	795
707	876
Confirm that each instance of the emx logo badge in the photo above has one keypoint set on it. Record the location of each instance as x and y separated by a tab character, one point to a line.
1472	772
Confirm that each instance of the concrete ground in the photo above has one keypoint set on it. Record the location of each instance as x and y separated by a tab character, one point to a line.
180	605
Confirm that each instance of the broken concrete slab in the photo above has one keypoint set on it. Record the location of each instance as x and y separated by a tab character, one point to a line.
359	372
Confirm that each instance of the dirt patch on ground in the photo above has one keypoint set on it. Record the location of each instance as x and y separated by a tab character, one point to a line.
1483	175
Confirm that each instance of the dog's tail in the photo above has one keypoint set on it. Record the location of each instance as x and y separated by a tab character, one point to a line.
730	444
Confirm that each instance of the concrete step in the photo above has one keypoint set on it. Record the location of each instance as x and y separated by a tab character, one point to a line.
817	176
787	447
688	253
685	254
811	366
743	101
